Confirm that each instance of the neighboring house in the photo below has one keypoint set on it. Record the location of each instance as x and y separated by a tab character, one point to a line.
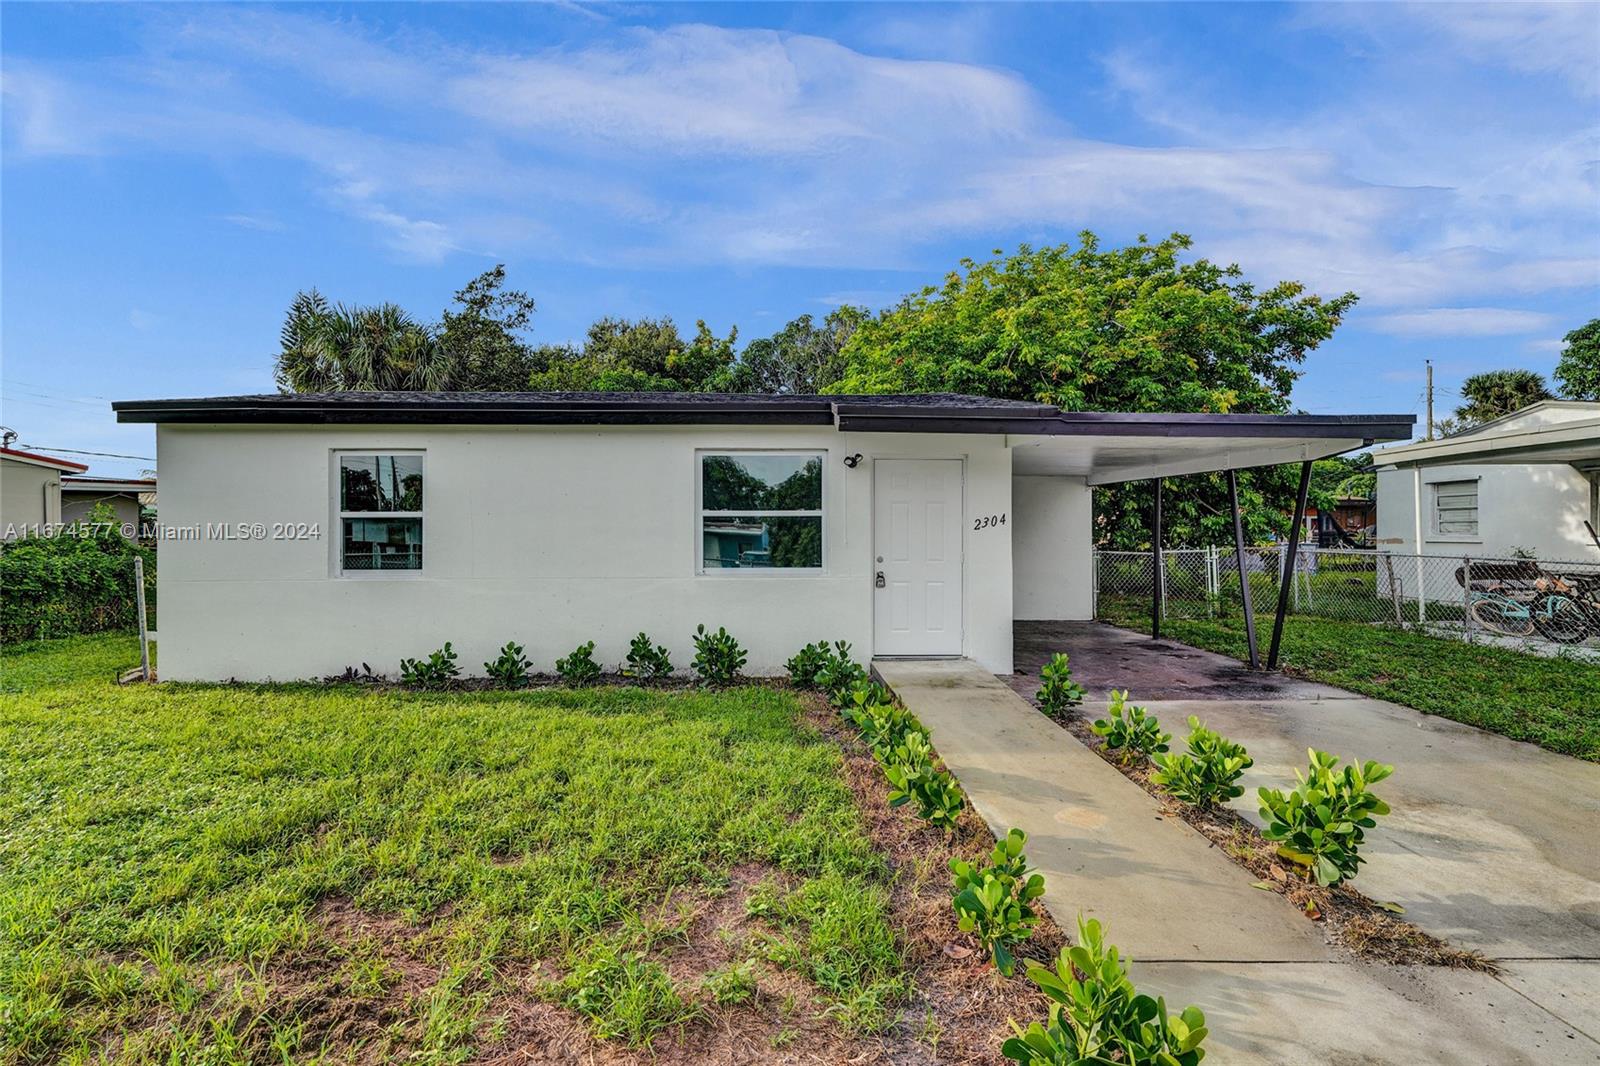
1348	523
125	496
1525	482
305	533
30	490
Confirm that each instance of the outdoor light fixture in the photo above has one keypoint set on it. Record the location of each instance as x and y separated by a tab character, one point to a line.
852	461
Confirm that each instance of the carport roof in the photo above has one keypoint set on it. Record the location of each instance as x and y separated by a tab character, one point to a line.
1102	446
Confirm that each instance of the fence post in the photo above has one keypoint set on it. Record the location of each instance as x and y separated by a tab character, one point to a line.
144	625
1468	623
1394	587
1094	582
1422	593
1291	570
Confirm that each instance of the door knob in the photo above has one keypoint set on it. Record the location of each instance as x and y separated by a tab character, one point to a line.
880	582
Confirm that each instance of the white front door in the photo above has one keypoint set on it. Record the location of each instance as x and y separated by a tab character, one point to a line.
916	523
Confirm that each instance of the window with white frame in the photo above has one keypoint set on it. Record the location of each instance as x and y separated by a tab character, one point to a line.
760	511
1455	508
380	512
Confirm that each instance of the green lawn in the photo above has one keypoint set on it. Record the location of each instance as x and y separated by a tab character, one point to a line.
208	873
1554	703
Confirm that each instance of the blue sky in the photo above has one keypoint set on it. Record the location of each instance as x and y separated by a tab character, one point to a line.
173	174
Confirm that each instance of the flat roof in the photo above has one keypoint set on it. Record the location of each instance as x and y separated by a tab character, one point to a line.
107	484
917	413
1101	446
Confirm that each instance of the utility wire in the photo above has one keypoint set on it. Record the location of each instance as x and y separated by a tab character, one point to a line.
76	451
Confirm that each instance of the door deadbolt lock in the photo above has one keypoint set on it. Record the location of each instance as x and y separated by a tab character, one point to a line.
880	581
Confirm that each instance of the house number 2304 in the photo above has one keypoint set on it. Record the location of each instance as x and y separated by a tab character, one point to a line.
988	520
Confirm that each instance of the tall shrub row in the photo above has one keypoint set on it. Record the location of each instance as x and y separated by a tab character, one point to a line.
72	583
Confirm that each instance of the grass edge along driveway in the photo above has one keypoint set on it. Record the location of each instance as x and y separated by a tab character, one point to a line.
1554	703
163	851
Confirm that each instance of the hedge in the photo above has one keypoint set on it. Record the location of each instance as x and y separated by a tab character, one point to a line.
68	584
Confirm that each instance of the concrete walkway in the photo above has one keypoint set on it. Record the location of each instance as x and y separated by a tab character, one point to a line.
1273	991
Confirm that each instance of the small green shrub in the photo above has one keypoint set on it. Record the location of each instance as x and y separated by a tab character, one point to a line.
993	902
1059	693
438	670
807	663
1321	823
1097	1017
914	778
511	668
1006	862
866	693
647	661
1205	774
579	668
840	674
718	658
1130	730
885	726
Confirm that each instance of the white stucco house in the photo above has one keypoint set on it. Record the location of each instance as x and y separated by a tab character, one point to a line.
30	490
300	534
1527	481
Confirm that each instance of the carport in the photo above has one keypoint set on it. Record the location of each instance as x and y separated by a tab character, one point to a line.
1109	448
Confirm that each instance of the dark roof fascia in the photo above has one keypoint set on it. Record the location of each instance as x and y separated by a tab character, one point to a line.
937	414
1051	423
1370	428
854	416
273	411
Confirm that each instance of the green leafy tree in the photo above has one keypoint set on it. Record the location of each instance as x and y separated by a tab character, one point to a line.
1498	393
647	355
327	348
1579	369
483	336
1135	328
801	358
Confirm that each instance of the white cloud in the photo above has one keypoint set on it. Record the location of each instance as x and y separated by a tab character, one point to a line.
701	144
1462	322
704	89
1557	39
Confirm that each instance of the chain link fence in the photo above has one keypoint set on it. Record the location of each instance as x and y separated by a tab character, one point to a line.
1541	606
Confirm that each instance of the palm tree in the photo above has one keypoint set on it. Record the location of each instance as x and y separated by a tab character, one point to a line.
333	348
1497	393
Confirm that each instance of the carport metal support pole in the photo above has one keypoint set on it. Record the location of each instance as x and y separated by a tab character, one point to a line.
1244	577
1158	581
1291	555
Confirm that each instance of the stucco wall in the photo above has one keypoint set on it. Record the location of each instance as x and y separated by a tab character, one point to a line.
29	494
79	505
1539	507
549	537
1050	547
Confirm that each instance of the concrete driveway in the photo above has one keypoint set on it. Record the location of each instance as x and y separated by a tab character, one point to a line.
1493	845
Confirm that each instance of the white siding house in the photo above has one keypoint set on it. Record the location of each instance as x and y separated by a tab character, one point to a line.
1526	482
303	534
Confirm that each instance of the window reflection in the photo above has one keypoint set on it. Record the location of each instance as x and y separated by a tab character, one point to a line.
382	544
761	482
741	541
380	482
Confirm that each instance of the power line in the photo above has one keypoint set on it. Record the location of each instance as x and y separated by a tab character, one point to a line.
76	451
